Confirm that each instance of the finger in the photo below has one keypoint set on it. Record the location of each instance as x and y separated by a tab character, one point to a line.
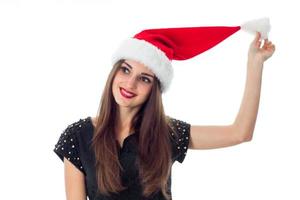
257	36
267	43
257	42
272	48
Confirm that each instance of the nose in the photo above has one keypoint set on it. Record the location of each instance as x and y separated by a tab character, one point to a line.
131	82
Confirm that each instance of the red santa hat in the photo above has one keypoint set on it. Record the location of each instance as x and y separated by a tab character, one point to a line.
156	48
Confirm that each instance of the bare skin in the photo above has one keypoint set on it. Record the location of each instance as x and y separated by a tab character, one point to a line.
135	77
132	80
202	137
209	137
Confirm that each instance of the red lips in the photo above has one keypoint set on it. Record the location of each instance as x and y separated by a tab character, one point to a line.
126	93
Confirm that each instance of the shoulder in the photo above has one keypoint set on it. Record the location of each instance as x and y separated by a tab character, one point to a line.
76	125
72	135
180	137
76	128
180	127
93	120
82	129
70	142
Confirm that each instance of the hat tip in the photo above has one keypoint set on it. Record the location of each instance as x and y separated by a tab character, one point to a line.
261	25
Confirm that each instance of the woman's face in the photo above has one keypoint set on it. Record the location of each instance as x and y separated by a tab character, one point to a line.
136	79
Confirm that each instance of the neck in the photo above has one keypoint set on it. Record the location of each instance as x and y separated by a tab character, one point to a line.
125	117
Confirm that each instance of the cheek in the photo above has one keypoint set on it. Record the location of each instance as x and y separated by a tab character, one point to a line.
146	91
115	86
117	79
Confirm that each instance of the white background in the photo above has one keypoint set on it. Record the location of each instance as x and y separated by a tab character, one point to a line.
54	61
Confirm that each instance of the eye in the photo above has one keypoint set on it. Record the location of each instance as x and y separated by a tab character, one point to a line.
146	80
124	69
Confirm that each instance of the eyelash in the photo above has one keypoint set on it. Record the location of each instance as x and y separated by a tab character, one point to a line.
125	68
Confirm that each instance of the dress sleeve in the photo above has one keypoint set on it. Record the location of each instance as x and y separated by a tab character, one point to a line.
68	145
180	138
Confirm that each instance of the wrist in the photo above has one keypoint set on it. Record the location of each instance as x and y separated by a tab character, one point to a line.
255	66
255	62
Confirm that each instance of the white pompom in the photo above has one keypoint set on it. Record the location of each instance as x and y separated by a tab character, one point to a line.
261	25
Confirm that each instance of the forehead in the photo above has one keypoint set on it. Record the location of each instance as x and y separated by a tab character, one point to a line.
138	66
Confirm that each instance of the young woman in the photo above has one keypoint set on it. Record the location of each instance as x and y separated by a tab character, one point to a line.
127	150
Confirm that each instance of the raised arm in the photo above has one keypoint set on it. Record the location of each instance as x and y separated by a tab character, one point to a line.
208	137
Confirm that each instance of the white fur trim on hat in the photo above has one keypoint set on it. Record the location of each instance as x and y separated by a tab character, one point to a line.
261	25
149	55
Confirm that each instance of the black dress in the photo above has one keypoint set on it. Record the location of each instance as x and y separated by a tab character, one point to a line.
75	142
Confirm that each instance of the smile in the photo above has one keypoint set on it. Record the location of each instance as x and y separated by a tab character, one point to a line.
126	94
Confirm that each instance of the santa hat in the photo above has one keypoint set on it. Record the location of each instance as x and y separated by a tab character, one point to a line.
156	48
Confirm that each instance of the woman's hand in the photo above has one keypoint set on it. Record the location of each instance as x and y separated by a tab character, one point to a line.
257	54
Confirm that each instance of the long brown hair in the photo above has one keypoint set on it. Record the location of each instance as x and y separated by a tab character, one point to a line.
154	149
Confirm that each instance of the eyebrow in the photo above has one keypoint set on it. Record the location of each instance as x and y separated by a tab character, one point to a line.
141	73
